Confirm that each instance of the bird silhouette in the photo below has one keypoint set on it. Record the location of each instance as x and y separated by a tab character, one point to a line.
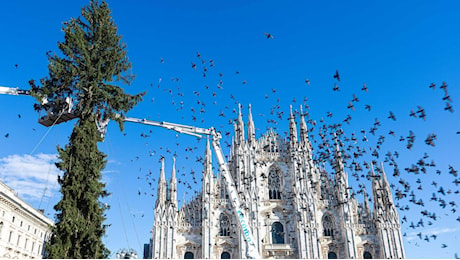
268	35
336	75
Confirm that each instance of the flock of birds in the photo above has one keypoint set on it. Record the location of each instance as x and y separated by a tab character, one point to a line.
360	148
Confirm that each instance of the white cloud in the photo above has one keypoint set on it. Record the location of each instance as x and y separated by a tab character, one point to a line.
437	231
432	231
31	176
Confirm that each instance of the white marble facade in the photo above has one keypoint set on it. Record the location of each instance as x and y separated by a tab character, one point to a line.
295	208
23	229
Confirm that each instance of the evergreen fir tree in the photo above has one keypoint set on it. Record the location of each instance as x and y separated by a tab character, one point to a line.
92	63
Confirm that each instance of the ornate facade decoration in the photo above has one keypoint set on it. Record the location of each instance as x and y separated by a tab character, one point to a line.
295	208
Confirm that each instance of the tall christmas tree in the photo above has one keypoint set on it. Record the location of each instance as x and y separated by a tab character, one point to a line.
92	63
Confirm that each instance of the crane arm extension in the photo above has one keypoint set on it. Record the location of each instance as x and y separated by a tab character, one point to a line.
13	91
185	129
252	251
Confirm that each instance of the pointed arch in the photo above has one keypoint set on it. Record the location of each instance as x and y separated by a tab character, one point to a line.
328	225
367	255
274	183
224	225
277	233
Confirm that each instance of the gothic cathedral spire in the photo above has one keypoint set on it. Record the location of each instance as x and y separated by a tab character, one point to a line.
251	128
305	142
240	127
161	194
173	185
292	128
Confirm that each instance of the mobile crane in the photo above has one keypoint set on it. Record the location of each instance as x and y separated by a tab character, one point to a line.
252	250
66	115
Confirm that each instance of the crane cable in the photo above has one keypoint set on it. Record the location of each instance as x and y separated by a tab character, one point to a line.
49	129
127	205
49	168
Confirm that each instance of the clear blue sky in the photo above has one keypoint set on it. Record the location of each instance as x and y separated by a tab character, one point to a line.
396	48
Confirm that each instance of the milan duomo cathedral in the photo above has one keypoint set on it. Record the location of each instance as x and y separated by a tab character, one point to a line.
295	208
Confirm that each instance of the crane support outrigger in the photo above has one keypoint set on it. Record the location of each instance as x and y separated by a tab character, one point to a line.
241	214
252	250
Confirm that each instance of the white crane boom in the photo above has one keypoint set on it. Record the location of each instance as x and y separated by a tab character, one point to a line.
49	119
65	115
13	91
242	217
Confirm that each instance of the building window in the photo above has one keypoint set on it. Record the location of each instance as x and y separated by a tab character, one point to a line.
33	245
10	237
367	255
188	255
25	244
274	184
331	255
14	218
224	225
277	233
328	226
225	255
19	238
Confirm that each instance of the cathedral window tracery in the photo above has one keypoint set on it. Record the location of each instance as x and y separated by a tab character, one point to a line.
224	225
274	184
328	226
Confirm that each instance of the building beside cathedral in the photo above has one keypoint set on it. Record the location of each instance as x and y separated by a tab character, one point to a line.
294	207
24	230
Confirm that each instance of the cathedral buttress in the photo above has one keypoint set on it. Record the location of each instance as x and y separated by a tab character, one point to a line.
207	204
367	208
344	203
386	217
